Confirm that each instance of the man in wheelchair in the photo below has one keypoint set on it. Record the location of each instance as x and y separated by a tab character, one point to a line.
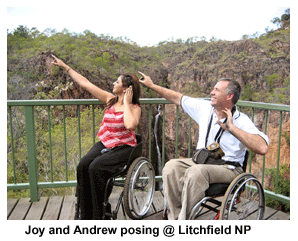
224	135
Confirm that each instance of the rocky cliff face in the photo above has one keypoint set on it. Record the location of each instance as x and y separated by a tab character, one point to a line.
246	61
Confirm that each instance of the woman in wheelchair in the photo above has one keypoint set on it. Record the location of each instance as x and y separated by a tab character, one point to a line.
117	139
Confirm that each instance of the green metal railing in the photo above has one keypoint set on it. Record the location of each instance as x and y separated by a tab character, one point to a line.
29	105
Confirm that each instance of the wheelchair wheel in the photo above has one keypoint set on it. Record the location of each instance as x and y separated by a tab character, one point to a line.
139	188
244	199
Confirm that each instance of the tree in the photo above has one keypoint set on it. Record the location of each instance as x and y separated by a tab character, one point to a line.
21	31
34	33
279	21
276	21
286	15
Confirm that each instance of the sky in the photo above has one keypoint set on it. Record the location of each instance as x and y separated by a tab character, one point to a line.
148	22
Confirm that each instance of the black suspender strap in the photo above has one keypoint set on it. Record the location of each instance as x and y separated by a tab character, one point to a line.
218	134
208	130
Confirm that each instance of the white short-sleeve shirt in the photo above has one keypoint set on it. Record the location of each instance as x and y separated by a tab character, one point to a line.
201	111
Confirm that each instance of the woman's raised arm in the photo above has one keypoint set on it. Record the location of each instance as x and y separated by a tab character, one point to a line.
97	92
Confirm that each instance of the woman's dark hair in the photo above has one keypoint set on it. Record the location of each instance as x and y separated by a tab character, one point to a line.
128	80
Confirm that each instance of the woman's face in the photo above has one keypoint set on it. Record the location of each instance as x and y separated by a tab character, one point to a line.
118	86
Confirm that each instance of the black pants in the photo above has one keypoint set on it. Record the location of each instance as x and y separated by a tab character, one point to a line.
93	172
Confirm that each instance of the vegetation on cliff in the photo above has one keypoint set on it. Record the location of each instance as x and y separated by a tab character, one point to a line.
261	63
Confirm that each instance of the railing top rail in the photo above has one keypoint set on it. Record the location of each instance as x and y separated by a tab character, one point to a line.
53	102
259	105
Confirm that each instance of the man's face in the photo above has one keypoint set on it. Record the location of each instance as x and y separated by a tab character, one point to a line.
219	98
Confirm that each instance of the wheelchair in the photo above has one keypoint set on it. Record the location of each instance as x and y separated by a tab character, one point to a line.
243	199
138	188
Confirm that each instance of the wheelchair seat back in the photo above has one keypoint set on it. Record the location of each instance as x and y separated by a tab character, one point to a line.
245	161
135	153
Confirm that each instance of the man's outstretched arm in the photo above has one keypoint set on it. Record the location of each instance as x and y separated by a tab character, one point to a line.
168	94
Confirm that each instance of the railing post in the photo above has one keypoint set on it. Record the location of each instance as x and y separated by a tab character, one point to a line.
32	165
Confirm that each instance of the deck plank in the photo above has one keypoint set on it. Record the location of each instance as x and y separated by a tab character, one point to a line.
63	208
11	203
53	208
272	214
269	212
281	216
156	216
37	209
158	201
68	208
21	209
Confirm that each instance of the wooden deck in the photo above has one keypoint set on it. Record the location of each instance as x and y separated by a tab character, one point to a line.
63	208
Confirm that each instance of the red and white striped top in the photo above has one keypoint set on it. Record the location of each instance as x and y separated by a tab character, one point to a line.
112	131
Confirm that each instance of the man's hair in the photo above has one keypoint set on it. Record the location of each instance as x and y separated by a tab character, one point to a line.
233	88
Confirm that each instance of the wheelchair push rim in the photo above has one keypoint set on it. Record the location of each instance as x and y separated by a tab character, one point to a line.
139	188
244	199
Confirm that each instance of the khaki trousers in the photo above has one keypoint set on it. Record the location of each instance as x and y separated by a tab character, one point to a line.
185	183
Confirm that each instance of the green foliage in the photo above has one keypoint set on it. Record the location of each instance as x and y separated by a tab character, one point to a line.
286	135
276	21
272	80
283	187
247	93
285	17
56	164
